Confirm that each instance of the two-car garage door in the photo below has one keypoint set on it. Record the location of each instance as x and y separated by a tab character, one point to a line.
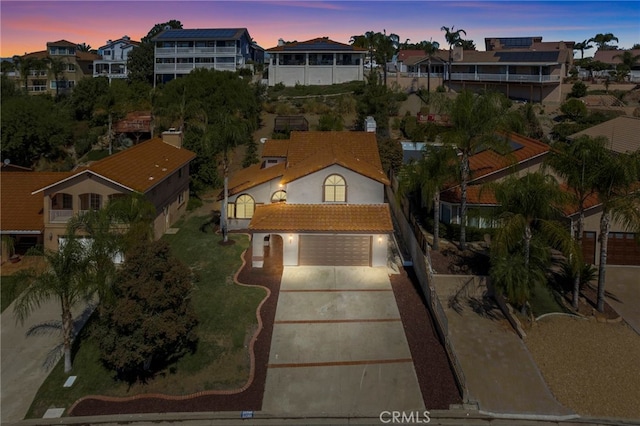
622	248
336	250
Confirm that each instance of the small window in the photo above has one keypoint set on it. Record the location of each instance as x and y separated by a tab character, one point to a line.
335	189
71	67
62	202
279	196
181	198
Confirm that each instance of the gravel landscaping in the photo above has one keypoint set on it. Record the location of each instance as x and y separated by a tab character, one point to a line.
591	367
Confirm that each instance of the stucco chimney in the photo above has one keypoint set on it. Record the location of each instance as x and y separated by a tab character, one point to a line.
370	124
280	42
172	137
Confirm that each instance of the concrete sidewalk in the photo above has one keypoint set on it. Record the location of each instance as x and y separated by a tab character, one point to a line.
23	357
623	293
500	373
338	346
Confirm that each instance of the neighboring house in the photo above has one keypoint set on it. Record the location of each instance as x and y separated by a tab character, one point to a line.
320	61
526	155
40	204
321	194
523	68
21	211
623	248
180	51
612	58
623	133
114	57
135	125
40	79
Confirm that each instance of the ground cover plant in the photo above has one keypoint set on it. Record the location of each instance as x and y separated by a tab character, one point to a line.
227	319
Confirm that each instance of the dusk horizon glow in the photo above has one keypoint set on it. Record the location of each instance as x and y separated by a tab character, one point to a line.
27	26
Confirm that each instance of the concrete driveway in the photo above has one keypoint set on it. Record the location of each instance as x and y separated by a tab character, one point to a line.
623	293
338	346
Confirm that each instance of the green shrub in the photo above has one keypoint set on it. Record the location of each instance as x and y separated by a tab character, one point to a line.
574	109
578	90
193	203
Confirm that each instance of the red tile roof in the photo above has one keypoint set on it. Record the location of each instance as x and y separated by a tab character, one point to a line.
253	176
20	210
282	217
314	44
142	166
476	194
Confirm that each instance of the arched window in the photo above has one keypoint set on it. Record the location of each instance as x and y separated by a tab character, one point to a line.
245	205
279	196
335	189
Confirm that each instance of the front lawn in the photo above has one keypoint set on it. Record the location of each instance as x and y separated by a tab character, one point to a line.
227	315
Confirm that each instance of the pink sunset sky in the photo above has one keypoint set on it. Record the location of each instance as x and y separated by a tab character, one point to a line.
26	26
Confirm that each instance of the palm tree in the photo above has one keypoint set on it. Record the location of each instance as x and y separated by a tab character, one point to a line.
453	39
26	64
629	60
56	67
368	41
113	230
230	131
385	47
582	46
64	280
617	189
602	40
83	47
575	163
528	208
438	166
475	119
430	48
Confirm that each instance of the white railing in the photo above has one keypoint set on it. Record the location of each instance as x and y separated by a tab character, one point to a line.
163	68
60	215
536	78
210	51
37	88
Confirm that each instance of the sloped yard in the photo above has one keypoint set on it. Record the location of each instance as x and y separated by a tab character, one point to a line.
227	315
591	367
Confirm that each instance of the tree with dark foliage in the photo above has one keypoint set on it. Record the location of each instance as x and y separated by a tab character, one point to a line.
150	322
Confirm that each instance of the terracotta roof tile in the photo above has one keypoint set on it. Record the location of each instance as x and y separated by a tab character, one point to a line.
144	165
253	176
19	209
487	162
284	217
327	44
276	148
475	195
312	151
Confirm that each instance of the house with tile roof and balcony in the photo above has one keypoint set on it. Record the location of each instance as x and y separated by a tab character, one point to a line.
38	205
319	196
177	52
523	68
527	155
78	65
319	61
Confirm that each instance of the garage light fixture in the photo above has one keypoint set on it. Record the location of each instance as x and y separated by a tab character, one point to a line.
379	240
290	239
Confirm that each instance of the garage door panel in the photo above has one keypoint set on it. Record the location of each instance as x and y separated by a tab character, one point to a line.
623	249
338	250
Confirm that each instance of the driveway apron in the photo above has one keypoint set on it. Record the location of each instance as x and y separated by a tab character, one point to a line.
338	346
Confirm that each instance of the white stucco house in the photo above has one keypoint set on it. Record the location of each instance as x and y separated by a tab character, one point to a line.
320	61
114	58
321	194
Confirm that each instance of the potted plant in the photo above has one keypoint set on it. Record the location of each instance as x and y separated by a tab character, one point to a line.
8	249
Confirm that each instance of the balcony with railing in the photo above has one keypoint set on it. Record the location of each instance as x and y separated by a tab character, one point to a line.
505	78
188	67
178	52
60	216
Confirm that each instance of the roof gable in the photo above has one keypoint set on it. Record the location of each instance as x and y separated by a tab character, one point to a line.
621	132
20	209
316	44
